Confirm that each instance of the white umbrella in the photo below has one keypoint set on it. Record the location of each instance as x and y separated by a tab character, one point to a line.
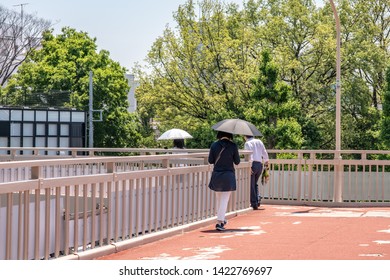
174	133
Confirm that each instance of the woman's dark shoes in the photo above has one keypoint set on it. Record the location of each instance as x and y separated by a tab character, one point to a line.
220	226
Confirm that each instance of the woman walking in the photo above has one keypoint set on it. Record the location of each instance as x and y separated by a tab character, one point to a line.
223	154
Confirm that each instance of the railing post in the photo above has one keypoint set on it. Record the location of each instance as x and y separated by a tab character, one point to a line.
110	167
13	154
35	172
299	170
165	163
310	180
338	186
9	222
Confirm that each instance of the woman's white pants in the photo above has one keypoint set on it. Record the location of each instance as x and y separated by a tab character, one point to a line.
222	203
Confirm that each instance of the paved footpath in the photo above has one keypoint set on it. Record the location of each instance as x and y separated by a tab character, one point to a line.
279	233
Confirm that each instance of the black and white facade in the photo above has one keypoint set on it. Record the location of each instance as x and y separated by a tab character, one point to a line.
25	127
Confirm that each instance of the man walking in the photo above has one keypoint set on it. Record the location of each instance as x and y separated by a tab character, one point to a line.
259	159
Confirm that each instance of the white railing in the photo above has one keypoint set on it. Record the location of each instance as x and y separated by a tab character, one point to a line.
33	153
53	208
64	206
353	177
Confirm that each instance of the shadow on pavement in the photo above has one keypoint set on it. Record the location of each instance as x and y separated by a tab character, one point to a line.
228	230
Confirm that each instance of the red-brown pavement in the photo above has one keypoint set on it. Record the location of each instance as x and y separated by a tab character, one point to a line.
279	232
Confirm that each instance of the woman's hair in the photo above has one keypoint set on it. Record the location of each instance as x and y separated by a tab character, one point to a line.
178	143
222	134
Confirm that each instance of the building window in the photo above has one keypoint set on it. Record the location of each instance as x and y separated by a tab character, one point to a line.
16	115
52	116
64	116
53	129
28	129
28	115
15	129
40	129
41	116
4	115
64	130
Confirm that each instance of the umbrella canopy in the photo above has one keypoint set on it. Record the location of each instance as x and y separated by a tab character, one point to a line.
237	126
174	133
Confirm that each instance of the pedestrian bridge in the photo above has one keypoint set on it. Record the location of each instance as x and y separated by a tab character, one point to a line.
72	203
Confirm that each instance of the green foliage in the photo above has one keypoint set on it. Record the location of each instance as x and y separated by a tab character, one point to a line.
272	107
271	63
203	137
63	65
363	84
199	73
203	71
385	125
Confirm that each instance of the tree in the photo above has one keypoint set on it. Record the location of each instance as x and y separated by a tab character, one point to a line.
63	65
369	23
385	125
19	35
301	40
366	31
273	109
199	72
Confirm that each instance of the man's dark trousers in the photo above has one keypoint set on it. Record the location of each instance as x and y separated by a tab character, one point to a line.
257	168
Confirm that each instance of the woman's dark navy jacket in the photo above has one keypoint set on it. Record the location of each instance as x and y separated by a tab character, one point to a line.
225	165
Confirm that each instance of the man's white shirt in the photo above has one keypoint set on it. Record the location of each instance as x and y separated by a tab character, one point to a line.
259	152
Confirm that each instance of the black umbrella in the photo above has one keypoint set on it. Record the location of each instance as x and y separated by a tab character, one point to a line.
237	126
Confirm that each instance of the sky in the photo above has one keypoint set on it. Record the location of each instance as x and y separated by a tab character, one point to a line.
125	28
